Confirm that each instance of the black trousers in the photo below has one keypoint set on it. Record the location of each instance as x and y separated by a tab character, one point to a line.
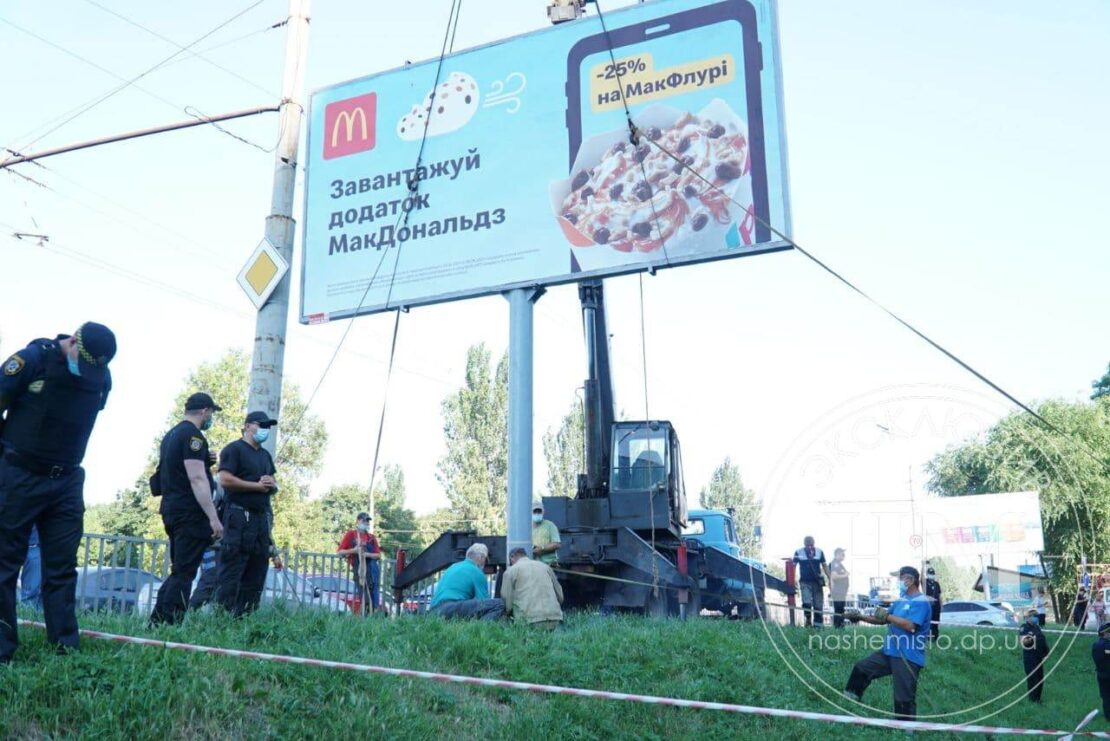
1104	693
1034	680
904	673
838	613
57	507
244	559
206	587
934	624
189	538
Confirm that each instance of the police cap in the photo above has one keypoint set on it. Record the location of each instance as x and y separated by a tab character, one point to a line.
96	346
199	401
261	419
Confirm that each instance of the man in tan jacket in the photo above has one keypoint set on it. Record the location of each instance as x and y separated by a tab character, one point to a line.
531	592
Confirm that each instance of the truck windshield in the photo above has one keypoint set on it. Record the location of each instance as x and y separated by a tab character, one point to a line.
640	458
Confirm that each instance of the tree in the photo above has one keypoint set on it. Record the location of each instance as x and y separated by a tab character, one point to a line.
1071	472
394	524
565	452
726	489
1101	387
302	439
474	472
956	582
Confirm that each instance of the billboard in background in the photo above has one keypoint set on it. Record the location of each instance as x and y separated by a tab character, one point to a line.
529	174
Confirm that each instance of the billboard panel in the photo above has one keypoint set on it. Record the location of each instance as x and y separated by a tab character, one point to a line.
529	172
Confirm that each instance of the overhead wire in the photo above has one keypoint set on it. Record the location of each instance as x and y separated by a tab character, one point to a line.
192	53
195	113
80	110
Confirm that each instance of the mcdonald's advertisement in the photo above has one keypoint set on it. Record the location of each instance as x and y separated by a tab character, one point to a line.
573	152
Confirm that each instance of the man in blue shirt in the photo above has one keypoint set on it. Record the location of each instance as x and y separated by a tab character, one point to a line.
462	591
903	652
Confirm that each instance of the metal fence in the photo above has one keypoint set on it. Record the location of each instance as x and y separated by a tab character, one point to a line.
122	574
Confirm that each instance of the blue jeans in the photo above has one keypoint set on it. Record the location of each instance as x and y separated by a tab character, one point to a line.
30	578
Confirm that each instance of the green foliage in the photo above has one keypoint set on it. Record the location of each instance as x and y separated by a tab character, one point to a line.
394	524
1101	387
474	472
111	691
300	453
956	582
1019	454
726	489
565	451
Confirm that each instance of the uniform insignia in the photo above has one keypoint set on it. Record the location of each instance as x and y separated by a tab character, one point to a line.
195	444
14	365
35	386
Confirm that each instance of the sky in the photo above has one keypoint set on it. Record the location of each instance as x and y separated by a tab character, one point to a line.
950	159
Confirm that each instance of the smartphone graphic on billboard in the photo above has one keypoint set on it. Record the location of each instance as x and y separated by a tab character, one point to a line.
691	82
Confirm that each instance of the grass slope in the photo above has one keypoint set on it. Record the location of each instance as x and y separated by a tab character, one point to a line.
116	691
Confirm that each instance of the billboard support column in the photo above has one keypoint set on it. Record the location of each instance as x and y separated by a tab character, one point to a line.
268	357
519	501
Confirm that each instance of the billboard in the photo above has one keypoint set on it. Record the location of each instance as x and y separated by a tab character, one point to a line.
529	172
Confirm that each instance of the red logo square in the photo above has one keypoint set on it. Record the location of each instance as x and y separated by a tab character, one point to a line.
350	126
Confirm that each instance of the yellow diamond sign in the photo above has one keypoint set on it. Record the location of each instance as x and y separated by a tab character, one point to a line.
262	273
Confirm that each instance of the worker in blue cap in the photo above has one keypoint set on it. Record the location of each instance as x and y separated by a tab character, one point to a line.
51	393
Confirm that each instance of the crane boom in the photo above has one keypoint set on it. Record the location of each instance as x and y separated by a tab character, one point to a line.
600	405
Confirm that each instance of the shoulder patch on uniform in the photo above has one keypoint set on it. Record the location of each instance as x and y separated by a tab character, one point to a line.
14	365
195	444
35	386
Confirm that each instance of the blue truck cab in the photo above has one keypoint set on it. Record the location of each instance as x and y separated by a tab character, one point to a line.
711	528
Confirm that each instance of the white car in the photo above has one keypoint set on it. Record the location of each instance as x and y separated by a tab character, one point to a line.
967	612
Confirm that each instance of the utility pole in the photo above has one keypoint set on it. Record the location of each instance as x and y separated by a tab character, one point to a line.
269	335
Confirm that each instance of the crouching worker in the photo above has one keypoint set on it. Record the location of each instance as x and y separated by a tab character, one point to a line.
462	591
903	652
531	592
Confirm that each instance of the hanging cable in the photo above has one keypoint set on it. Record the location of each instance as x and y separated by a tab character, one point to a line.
856	289
385	398
414	189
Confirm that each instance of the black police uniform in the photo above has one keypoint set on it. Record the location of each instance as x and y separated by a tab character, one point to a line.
1100	652
185	522
932	591
50	417
248	520
1033	659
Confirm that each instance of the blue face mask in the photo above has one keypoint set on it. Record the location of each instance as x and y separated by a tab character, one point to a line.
74	366
261	435
902	589
206	424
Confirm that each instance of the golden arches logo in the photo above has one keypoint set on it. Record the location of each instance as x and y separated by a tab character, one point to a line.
347	119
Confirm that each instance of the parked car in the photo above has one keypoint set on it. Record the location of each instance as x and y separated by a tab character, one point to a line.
114	588
335	589
418	601
968	612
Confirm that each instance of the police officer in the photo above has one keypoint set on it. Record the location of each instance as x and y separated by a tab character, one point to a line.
50	393
933	592
247	476
1034	652
188	512
1100	652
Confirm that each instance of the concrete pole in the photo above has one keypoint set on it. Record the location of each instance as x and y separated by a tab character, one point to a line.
269	335
519	503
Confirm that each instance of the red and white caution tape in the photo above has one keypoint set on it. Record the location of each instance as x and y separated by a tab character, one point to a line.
905	725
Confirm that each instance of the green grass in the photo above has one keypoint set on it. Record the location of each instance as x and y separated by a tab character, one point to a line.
117	691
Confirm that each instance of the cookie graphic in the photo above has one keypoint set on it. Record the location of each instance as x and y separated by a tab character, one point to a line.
447	108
